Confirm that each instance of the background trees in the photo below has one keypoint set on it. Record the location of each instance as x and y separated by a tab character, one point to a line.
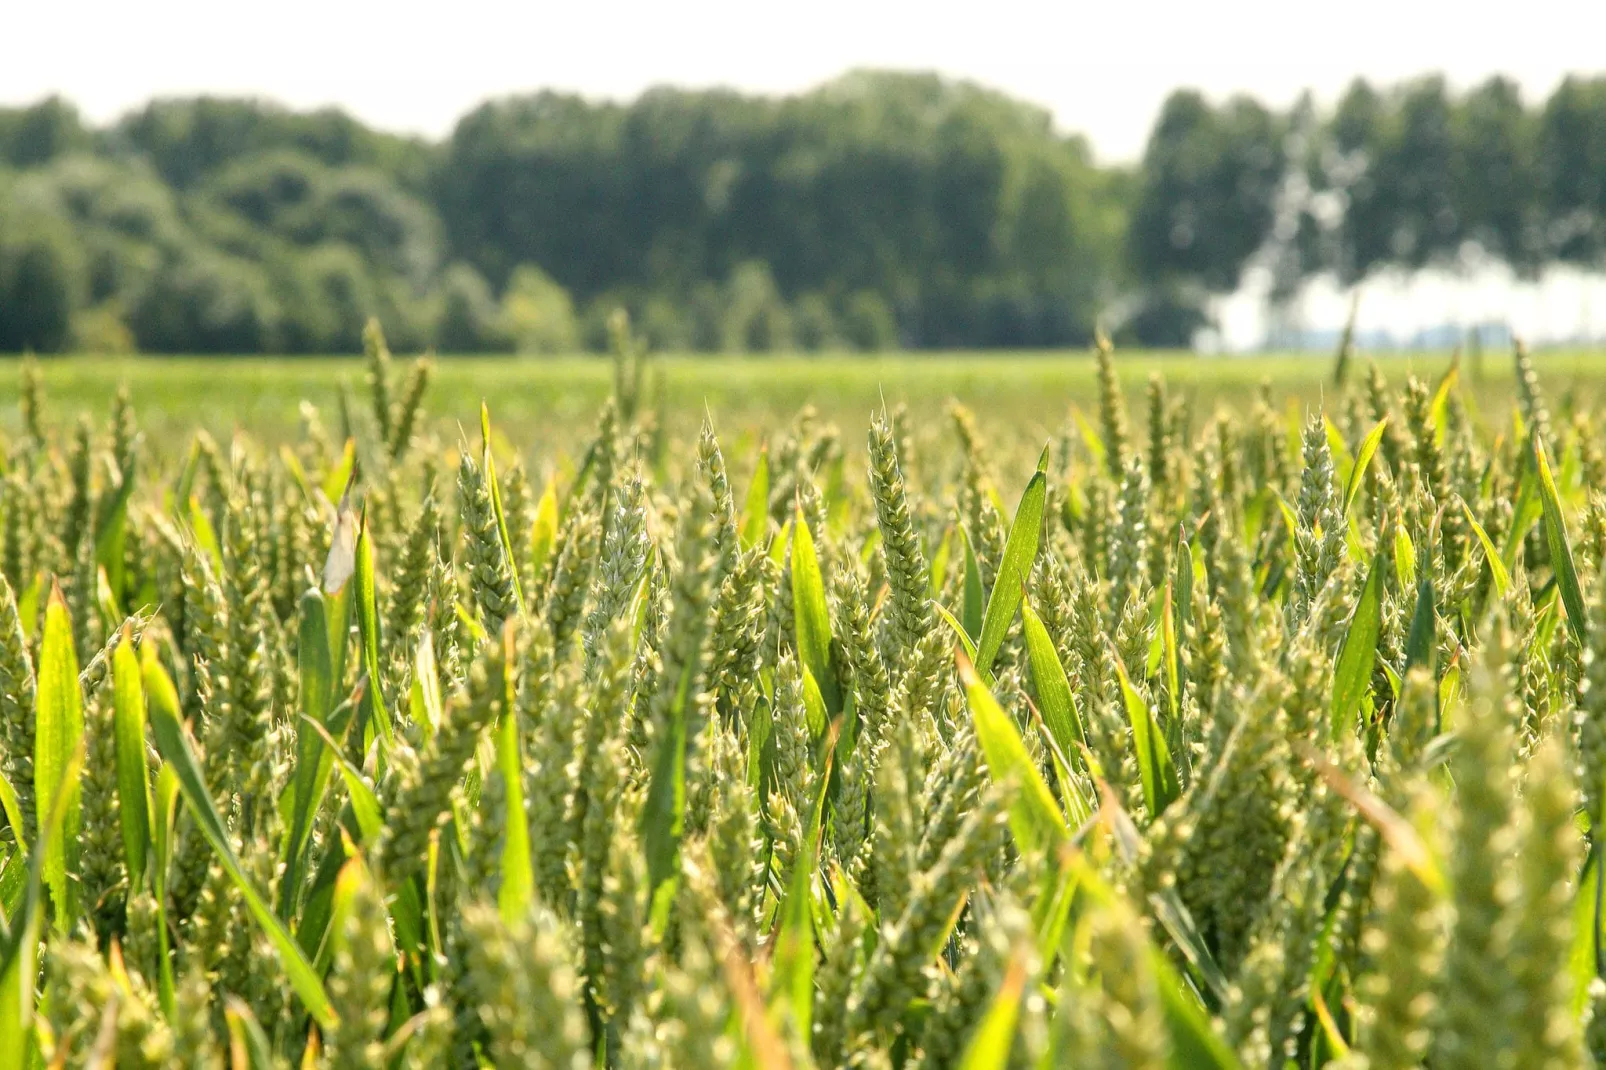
880	209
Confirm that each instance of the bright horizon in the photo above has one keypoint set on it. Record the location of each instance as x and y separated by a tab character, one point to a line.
1101	70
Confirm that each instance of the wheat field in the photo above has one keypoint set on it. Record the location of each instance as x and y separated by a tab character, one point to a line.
1258	726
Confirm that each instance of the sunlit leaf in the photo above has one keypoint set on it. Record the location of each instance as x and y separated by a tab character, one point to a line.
1363	460
1020	550
1054	696
812	616
58	732
133	769
1352	674
1034	817
756	511
1561	554
376	715
1156	770
1497	567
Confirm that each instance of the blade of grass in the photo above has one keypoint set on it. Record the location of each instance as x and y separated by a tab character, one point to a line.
1034	817
1020	550
173	744
338	477
1195	1045
1440	409
1497	567
518	873
205	535
489	462
793	978
1183	581
1583	954
1352	674
664	815
375	715
365	806
1363	460
1525	512
12	805
58	732
163	817
20	946
425	700
941	561
544	530
1561	554
1157	771
133	770
1054	696
249	1048
111	538
1168	651
811	616
756	511
1404	557
959	634
312	769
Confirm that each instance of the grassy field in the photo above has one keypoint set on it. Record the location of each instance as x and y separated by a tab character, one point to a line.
533	398
1230	744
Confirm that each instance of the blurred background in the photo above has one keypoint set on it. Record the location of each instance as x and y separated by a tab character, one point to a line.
188	178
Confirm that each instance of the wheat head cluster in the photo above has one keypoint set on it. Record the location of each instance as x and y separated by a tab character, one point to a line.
1264	738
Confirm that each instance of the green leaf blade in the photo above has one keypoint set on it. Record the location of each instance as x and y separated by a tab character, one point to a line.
1161	785
133	771
368	630
1363	460
811	616
1352	674
58	733
173	744
1020	550
756	511
1035	818
1055	698
1561	554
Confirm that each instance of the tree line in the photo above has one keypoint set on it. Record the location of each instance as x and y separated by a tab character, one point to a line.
880	210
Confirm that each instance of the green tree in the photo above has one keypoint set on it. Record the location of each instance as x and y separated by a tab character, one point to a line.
1210	180
868	324
539	314
469	319
1494	174
756	317
41	132
203	301
939	195
188	140
1400	159
814	324
1572	169
41	283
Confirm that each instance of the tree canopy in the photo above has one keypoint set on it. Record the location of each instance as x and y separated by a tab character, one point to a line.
878	210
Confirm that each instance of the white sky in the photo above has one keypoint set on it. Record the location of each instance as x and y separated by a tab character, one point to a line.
1103	68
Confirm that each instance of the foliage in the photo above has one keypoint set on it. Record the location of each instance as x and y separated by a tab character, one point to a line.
879	209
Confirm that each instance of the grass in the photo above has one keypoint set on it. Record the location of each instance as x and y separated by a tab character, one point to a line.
531	396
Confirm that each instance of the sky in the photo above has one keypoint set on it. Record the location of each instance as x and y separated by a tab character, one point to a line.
1103	69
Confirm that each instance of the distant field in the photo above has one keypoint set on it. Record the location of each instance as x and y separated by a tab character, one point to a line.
531	398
